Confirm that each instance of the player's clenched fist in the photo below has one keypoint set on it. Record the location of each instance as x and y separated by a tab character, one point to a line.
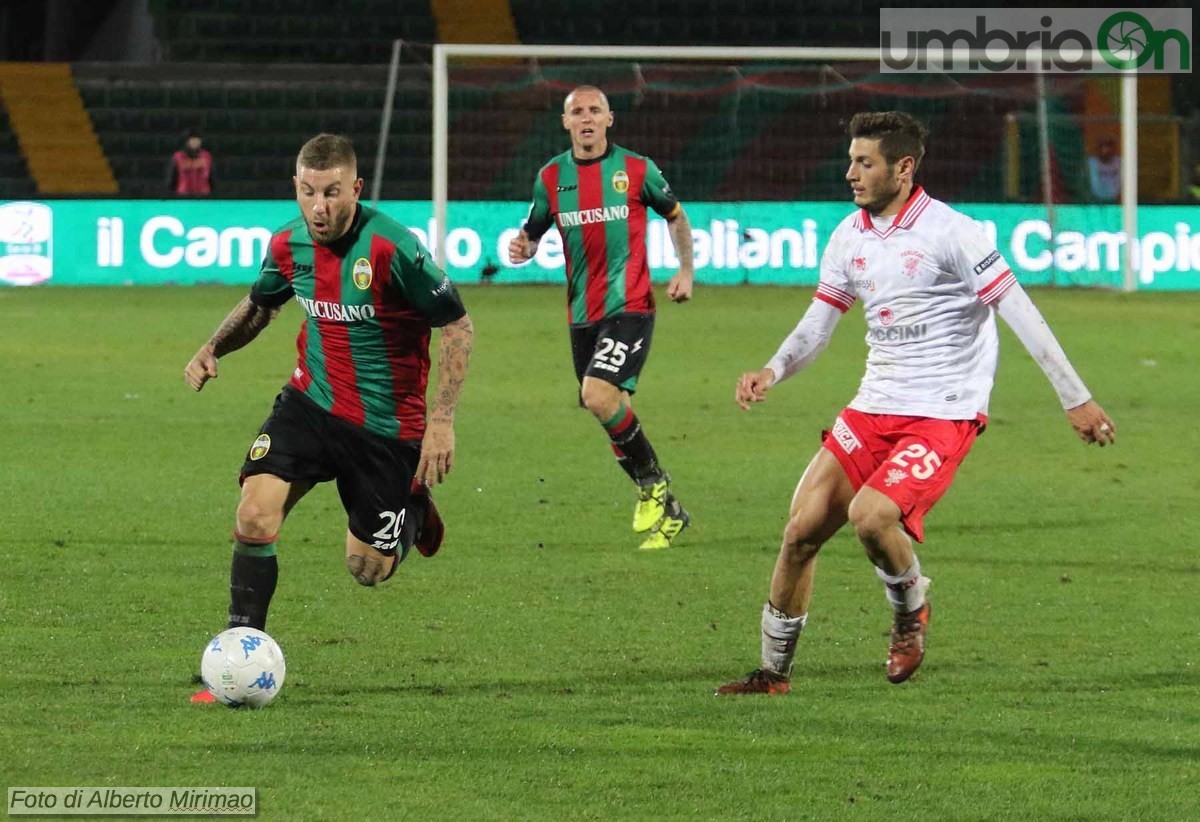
752	387
201	369
1092	424
521	249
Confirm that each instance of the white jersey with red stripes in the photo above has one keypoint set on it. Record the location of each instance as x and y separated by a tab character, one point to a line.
927	279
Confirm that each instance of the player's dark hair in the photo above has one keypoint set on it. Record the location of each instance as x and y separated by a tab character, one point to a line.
327	151
899	134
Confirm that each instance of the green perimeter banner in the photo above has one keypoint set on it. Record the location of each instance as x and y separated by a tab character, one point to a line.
186	242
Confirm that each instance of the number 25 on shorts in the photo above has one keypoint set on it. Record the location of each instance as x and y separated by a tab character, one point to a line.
610	352
917	460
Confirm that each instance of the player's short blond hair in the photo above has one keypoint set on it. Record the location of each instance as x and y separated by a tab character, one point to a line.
595	89
326	151
898	132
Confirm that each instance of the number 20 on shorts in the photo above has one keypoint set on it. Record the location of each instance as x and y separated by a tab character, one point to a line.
388	536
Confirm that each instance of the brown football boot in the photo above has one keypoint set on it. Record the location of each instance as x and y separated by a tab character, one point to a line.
760	681
907	648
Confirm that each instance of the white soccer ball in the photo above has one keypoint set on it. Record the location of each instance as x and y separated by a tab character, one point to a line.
243	667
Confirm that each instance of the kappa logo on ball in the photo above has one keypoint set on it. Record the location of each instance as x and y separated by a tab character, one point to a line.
261	446
620	182
362	274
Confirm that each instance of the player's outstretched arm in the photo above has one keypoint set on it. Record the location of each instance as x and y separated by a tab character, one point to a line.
1088	419
521	249
807	340
752	387
241	326
454	355
679	287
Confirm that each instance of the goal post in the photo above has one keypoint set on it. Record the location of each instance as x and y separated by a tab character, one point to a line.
829	58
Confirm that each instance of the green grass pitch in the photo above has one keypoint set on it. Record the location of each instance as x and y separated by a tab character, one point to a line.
541	667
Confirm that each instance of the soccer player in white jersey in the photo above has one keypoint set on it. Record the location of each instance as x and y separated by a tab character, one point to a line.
931	284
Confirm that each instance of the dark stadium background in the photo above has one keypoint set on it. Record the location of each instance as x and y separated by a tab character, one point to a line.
257	78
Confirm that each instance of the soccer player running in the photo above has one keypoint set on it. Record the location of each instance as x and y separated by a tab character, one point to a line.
931	283
354	410
598	193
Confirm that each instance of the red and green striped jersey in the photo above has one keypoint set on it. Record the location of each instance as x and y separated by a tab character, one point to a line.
371	298
600	208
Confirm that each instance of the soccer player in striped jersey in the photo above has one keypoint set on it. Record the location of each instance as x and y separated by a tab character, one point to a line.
931	284
599	194
354	410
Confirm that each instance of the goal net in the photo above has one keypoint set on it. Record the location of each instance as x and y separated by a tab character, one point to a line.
749	131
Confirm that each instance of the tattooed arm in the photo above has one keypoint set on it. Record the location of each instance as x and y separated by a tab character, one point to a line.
454	354
679	289
242	325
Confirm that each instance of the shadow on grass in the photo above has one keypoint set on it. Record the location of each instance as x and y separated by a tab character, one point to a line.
1114	564
1083	524
700	681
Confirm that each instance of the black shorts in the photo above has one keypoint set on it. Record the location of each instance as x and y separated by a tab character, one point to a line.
302	442
613	349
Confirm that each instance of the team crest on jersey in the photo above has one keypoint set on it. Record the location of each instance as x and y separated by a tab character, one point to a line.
620	182
860	263
912	259
362	274
261	446
886	316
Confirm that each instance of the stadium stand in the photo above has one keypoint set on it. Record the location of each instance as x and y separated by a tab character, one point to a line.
55	132
253	119
289	31
255	115
710	22
257	78
15	182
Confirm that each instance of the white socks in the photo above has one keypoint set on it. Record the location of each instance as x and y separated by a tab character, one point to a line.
779	635
780	632
905	592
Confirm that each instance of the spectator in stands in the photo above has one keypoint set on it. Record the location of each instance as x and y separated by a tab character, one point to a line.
1194	189
1104	171
190	173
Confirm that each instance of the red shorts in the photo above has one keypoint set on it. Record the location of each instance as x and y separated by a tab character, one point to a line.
910	460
